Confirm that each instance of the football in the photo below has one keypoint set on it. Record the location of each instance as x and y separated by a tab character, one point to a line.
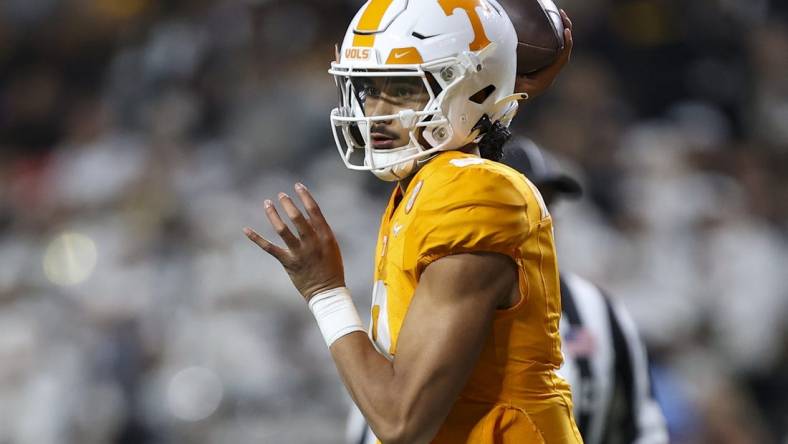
540	32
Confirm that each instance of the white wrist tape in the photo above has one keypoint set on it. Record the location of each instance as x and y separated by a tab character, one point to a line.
335	313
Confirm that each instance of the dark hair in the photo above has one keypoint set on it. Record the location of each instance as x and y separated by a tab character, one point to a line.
494	137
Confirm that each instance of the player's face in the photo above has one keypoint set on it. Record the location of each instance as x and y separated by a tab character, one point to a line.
381	96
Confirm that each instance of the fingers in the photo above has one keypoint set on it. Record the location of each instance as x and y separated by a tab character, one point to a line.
565	18
311	206
279	226
568	45
306	227
301	224
263	243
568	40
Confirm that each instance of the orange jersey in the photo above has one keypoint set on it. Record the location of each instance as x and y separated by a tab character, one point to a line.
459	203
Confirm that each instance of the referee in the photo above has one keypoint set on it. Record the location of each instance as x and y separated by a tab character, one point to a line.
605	360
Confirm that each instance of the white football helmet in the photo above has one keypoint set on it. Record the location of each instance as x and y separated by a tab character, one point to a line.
462	51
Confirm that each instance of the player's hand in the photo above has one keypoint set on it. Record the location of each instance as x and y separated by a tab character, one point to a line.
537	82
312	258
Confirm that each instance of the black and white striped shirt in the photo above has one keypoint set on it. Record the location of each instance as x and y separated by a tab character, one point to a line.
606	365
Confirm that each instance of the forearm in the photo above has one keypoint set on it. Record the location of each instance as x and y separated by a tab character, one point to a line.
389	399
406	400
378	390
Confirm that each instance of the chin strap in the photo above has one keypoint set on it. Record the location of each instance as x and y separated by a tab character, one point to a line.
507	107
512	98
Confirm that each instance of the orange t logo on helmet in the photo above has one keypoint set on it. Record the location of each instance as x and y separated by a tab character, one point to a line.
376	9
480	39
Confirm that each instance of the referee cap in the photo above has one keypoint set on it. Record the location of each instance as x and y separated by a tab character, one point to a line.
540	167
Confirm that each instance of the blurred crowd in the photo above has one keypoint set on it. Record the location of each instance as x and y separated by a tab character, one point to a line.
137	138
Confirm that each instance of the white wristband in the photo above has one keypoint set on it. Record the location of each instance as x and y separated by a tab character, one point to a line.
335	313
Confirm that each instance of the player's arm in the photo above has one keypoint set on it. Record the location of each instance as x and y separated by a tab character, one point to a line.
404	400
443	333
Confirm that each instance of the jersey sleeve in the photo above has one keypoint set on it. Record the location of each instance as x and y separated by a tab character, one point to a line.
467	209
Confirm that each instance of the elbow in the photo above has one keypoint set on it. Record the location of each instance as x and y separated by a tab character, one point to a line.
389	435
389	430
402	421
401	432
394	434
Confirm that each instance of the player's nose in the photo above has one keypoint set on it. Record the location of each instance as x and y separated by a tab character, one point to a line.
376	108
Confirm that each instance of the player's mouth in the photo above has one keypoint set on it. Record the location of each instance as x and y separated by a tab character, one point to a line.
381	141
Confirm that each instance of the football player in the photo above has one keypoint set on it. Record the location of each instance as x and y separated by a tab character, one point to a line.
606	363
463	345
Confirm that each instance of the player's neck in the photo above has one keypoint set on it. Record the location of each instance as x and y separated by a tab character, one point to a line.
403	183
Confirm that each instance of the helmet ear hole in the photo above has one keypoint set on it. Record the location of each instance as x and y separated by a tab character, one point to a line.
420	134
483	94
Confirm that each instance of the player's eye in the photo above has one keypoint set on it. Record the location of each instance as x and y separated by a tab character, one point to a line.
370	90
404	93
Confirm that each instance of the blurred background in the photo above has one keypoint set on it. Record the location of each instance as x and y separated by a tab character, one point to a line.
137	138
